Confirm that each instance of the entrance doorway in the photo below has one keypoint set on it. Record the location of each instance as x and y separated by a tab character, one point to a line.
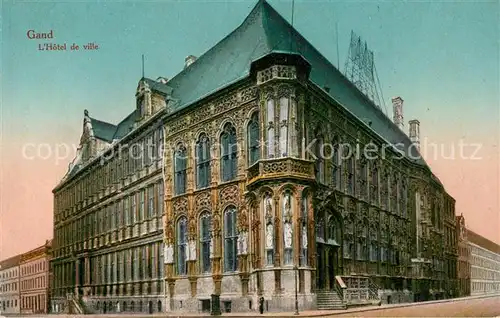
327	265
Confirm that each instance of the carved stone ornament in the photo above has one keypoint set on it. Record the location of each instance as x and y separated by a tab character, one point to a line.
180	205
304	236
203	201
192	250
169	254
212	246
288	235
268	203
269	236
229	194
243	243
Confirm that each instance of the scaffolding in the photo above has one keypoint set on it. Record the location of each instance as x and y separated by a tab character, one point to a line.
360	70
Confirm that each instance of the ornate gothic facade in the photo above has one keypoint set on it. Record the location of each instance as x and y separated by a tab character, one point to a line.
266	180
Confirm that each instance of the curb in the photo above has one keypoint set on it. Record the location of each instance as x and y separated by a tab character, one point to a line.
421	303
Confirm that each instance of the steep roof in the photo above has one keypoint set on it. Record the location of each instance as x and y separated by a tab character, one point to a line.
480	240
10	262
263	32
102	129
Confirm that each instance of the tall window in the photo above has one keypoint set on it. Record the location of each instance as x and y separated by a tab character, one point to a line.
133	212
229	153
303	229
374	182
269	217
270	143
202	162
205	221
151	207
320	161
180	167
284	119
160	198
253	139
336	171
182	246
403	197
363	174
230	240
394	194
350	174
141	204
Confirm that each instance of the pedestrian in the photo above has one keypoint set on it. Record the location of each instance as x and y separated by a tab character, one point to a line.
261	305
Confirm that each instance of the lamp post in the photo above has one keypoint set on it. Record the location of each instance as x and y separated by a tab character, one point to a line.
296	269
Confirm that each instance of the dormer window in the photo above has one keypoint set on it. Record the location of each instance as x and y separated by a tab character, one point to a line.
140	106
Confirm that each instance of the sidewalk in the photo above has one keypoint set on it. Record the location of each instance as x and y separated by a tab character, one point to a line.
314	313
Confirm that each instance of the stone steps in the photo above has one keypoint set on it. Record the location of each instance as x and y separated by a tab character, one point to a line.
329	301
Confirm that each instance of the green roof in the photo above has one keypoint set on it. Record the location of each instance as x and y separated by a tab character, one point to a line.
263	32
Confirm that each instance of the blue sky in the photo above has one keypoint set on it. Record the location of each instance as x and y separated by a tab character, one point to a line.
442	57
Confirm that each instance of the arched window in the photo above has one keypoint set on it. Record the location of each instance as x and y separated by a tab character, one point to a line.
182	246
270	143
394	194
180	166
350	173
287	213
363	174
284	119
229	153
374	182
374	242
332	229
205	224
303	229
336	167
253	132
403	197
320	161
230	240
202	162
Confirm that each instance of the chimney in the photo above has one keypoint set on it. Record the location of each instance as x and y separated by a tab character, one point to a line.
189	60
397	106
415	132
162	80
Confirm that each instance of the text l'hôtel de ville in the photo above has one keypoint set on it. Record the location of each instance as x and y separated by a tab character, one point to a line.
34	35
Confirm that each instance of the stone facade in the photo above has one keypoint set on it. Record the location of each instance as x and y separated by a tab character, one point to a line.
34	280
485	265
9	285
109	215
464	258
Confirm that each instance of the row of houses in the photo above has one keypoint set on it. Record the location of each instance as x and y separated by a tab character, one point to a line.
24	282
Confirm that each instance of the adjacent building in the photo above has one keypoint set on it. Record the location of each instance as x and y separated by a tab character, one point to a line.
109	215
464	258
485	265
9	286
34	280
262	176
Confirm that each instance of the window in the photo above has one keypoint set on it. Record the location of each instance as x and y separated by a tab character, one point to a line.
287	213
202	162
403	196
205	238
303	229
180	163
160	198
270	143
151	207
133	211
230	238
363	173
126	211
253	139
374	182
229	153
182	243
141	204
336	170
284	119
350	174
320	160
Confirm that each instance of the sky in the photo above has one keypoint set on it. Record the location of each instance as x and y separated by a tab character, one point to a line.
441	57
